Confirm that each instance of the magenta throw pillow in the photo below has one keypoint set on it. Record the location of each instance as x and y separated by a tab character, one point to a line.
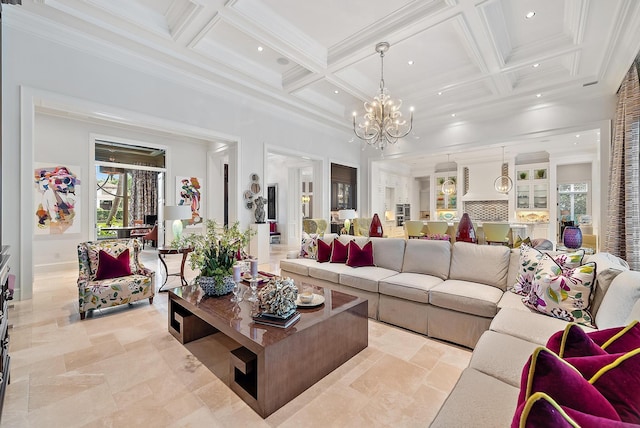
360	257
324	251
113	267
546	372
339	252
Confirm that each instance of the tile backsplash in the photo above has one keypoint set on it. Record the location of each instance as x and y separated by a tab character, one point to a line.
487	210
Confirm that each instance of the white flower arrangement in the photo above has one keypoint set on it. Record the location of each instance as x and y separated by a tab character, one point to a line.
278	297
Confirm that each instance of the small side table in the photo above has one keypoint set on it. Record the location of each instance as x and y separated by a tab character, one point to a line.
170	250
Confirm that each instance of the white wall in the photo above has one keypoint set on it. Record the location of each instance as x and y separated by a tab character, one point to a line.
125	84
574	173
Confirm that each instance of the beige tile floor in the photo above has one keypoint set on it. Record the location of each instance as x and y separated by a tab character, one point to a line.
121	368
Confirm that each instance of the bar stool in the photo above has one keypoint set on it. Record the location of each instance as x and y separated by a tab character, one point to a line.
496	233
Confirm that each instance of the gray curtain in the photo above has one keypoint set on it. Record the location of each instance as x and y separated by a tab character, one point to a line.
144	194
623	233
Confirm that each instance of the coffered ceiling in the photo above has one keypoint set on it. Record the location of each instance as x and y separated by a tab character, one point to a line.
317	57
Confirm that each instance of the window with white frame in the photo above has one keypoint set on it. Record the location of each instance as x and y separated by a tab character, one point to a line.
573	201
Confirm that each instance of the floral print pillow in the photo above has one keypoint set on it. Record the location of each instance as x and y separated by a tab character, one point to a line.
562	293
309	247
529	259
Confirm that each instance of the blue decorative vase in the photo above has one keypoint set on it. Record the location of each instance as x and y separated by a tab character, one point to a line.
572	237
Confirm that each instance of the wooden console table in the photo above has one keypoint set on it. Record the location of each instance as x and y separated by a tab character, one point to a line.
273	365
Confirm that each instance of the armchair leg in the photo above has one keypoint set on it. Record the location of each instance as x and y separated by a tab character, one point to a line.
151	300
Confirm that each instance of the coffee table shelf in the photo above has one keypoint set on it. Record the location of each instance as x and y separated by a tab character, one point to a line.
273	365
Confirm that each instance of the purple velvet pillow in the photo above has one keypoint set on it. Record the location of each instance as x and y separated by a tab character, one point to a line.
573	342
339	252
540	410
113	267
360	257
324	251
616	340
546	372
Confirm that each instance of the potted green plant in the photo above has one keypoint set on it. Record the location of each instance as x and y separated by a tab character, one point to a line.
214	254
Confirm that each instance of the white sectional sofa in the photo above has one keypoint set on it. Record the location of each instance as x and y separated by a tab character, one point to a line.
459	293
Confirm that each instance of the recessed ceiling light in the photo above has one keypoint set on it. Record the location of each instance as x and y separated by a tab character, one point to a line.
453	115
538	95
260	48
336	91
577	135
410	62
439	93
530	14
536	65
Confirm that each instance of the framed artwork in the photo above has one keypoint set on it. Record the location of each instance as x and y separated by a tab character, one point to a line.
189	192
272	202
57	199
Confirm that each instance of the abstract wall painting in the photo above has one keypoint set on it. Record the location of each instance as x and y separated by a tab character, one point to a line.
57	199
189	192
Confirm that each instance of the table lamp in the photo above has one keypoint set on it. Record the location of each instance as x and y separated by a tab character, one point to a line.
347	216
177	213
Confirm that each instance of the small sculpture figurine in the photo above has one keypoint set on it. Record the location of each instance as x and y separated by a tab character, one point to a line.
259	202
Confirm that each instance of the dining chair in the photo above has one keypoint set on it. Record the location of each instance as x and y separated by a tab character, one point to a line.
496	233
437	227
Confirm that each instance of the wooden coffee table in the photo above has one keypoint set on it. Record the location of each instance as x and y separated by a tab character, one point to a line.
274	365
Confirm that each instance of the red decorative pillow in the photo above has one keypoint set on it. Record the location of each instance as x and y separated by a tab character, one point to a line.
339	252
113	267
324	251
359	257
546	372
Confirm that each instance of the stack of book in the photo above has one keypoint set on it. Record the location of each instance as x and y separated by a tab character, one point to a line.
276	321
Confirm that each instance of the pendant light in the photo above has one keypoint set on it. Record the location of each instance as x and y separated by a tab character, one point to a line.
449	186
503	184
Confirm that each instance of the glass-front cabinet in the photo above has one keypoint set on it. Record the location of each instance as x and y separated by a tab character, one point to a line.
446	201
532	186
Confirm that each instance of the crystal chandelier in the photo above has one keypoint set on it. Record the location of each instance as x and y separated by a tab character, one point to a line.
383	123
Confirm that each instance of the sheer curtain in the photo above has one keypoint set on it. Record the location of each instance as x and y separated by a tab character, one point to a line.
623	234
144	194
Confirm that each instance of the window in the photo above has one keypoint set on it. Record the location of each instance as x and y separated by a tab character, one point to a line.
573	201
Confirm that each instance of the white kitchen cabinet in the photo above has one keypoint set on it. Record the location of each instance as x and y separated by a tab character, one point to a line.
532	186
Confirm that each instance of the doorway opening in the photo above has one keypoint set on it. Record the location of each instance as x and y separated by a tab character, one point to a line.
129	188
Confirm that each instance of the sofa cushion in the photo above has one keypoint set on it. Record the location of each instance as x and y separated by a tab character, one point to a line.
388	253
364	278
541	374
528	325
464	296
409	286
113	267
622	295
505	366
486	264
360	257
299	266
469	404
562	293
328	271
427	257
512	300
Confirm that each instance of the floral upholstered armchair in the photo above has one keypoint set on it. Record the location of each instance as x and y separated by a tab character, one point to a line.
111	274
